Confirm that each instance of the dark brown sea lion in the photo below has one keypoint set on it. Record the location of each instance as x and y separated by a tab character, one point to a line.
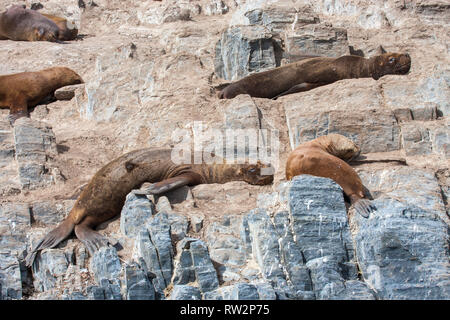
67	30
104	196
311	73
326	157
22	90
21	24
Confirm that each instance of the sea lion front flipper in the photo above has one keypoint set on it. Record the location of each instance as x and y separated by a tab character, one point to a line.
304	86
171	184
62	231
17	111
364	207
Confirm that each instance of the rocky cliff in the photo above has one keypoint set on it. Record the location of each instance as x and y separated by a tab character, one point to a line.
150	69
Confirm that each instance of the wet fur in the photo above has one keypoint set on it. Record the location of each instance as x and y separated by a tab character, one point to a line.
313	72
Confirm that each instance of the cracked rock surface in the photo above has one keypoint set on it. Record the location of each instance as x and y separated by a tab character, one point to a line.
151	68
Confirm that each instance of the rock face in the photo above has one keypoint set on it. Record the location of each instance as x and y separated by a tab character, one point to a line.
151	68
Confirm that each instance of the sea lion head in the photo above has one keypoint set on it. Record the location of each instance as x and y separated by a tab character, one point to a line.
391	63
257	174
45	32
71	76
340	146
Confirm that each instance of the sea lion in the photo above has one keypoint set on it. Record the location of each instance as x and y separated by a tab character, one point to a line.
67	30
22	90
326	156
20	24
311	73
104	196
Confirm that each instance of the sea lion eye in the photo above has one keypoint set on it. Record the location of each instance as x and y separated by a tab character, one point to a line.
392	60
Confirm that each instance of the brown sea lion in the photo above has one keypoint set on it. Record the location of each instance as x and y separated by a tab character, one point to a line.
21	24
326	156
104	196
22	90
311	73
67	30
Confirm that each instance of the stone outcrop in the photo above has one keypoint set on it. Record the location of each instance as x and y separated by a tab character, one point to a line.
152	68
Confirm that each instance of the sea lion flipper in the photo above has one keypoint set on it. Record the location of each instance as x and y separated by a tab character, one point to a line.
90	238
364	207
51	240
17	111
170	184
304	86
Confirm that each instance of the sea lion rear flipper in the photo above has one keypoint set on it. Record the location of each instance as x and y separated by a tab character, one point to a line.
304	86
51	240
170	184
364	207
90	238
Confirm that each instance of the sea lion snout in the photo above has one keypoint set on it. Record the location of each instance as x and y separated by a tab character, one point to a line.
258	174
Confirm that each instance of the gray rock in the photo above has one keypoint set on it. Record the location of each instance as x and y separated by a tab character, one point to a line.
316	39
105	265
329	283
225	245
310	114
179	226
403	252
415	139
185	292
193	263
49	269
135	214
414	186
244	291
148	255
196	222
265	248
319	218
163	205
154	249
15	219
159	231
35	144
67	92
10	277
183	265
245	49
265	291
277	18
73	296
204	270
424	95
138	286
50	213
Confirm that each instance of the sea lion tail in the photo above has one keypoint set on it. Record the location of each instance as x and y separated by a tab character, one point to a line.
62	231
364	207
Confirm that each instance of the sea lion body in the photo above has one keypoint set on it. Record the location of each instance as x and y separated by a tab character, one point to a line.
22	90
21	24
67	31
314	72
104	196
324	157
